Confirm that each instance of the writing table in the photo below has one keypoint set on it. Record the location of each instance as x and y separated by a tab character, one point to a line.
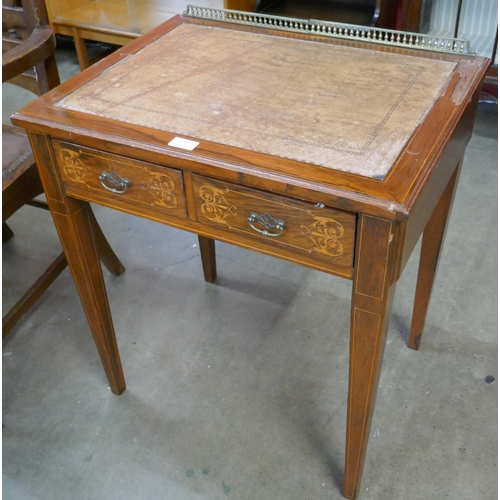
331	146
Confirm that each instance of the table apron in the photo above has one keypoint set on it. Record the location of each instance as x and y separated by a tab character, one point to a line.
306	233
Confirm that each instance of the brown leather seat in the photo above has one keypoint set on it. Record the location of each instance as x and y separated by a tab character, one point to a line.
15	149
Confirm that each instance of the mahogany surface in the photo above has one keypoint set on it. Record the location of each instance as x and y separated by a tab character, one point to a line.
212	189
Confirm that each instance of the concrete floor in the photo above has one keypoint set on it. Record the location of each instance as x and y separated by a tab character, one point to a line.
237	390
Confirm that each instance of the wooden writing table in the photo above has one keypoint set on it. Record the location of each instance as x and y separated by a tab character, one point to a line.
301	140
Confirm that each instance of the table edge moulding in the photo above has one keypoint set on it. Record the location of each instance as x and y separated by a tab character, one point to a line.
359	227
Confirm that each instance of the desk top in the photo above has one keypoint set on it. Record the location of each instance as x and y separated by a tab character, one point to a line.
343	108
361	123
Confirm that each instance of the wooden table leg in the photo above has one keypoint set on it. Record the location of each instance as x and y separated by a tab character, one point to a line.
370	312
106	253
207	251
81	50
74	222
78	238
432	243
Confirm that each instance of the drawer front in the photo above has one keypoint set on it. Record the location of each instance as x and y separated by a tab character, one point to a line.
318	233
150	185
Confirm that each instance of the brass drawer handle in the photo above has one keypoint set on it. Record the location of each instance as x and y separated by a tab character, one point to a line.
268	222
120	185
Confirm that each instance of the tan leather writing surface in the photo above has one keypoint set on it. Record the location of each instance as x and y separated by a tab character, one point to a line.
343	108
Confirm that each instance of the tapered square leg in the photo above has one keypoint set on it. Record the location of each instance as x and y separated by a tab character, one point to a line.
207	251
370	312
76	227
77	233
432	243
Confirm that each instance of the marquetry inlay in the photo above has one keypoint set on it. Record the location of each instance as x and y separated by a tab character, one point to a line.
161	187
325	234
215	206
73	167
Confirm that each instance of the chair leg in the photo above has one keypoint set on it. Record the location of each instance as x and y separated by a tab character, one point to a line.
33	294
6	232
106	253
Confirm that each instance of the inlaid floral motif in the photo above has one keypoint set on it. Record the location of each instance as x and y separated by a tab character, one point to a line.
325	234
161	187
216	208
73	167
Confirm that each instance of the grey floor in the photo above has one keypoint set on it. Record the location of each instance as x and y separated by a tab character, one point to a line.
237	390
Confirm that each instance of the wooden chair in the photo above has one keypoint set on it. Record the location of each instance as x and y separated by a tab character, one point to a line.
28	61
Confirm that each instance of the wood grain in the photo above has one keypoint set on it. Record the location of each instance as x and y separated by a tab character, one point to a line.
151	186
370	313
318	232
74	223
432	243
393	196
381	218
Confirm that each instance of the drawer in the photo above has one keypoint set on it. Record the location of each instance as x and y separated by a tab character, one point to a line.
151	186
320	235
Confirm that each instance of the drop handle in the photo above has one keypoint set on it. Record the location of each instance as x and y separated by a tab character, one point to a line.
271	226
118	185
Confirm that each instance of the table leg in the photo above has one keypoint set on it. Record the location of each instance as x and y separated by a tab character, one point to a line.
207	251
432	243
74	223
81	50
78	238
106	253
370	312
